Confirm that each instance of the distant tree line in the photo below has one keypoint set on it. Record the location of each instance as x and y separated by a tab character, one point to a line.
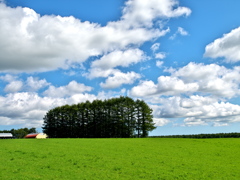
113	118
20	133
202	136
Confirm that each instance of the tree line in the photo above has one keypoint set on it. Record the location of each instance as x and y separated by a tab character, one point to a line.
20	133
113	118
203	136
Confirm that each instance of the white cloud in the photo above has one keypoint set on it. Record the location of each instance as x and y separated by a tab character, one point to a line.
227	47
138	13
145	88
14	86
160	55
33	43
217	124
119	79
33	84
25	108
173	86
81	97
98	72
8	78
159	63
210	79
213	79
196	93
28	108
192	121
197	110
155	47
64	91
145	67
180	31
166	86
119	58
115	78
160	121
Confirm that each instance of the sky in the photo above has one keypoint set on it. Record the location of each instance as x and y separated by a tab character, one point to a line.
181	57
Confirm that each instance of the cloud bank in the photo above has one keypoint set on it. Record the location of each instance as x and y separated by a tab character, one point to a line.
32	43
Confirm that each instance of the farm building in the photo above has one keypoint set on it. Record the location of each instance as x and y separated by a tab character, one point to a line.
6	136
37	136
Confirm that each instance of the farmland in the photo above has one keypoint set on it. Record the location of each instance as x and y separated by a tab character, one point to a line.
147	158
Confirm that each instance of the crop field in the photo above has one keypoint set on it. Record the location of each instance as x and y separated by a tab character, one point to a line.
147	158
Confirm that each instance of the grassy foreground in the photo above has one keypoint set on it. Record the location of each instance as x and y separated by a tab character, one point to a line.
149	158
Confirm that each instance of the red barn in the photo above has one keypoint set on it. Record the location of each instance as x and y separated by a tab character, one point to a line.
37	136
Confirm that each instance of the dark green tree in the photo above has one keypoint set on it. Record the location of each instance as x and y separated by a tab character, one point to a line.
116	117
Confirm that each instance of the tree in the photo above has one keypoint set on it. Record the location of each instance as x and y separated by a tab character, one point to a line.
116	117
20	133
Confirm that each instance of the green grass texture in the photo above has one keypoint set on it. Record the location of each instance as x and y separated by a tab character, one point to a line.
146	158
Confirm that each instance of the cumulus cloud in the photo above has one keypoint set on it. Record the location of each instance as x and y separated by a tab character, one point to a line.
31	42
34	84
212	79
119	58
145	88
64	91
194	78
13	86
8	78
166	86
159	63
196	92
104	67
99	72
197	110
23	108
160	121
160	55
227	47
138	13
119	79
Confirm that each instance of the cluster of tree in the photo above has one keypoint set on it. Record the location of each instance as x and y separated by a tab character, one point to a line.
20	133
112	118
202	136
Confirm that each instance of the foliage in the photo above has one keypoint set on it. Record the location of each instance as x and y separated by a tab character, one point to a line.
203	136
113	118
20	133
116	158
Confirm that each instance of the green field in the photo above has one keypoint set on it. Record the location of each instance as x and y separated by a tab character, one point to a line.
148	158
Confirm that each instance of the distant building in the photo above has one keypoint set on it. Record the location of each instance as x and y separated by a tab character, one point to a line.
37	136
6	136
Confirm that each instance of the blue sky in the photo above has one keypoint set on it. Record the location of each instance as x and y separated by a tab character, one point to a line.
181	57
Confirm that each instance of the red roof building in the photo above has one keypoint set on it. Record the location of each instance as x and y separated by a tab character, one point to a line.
37	136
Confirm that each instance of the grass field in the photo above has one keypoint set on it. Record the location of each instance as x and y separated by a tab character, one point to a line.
149	158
